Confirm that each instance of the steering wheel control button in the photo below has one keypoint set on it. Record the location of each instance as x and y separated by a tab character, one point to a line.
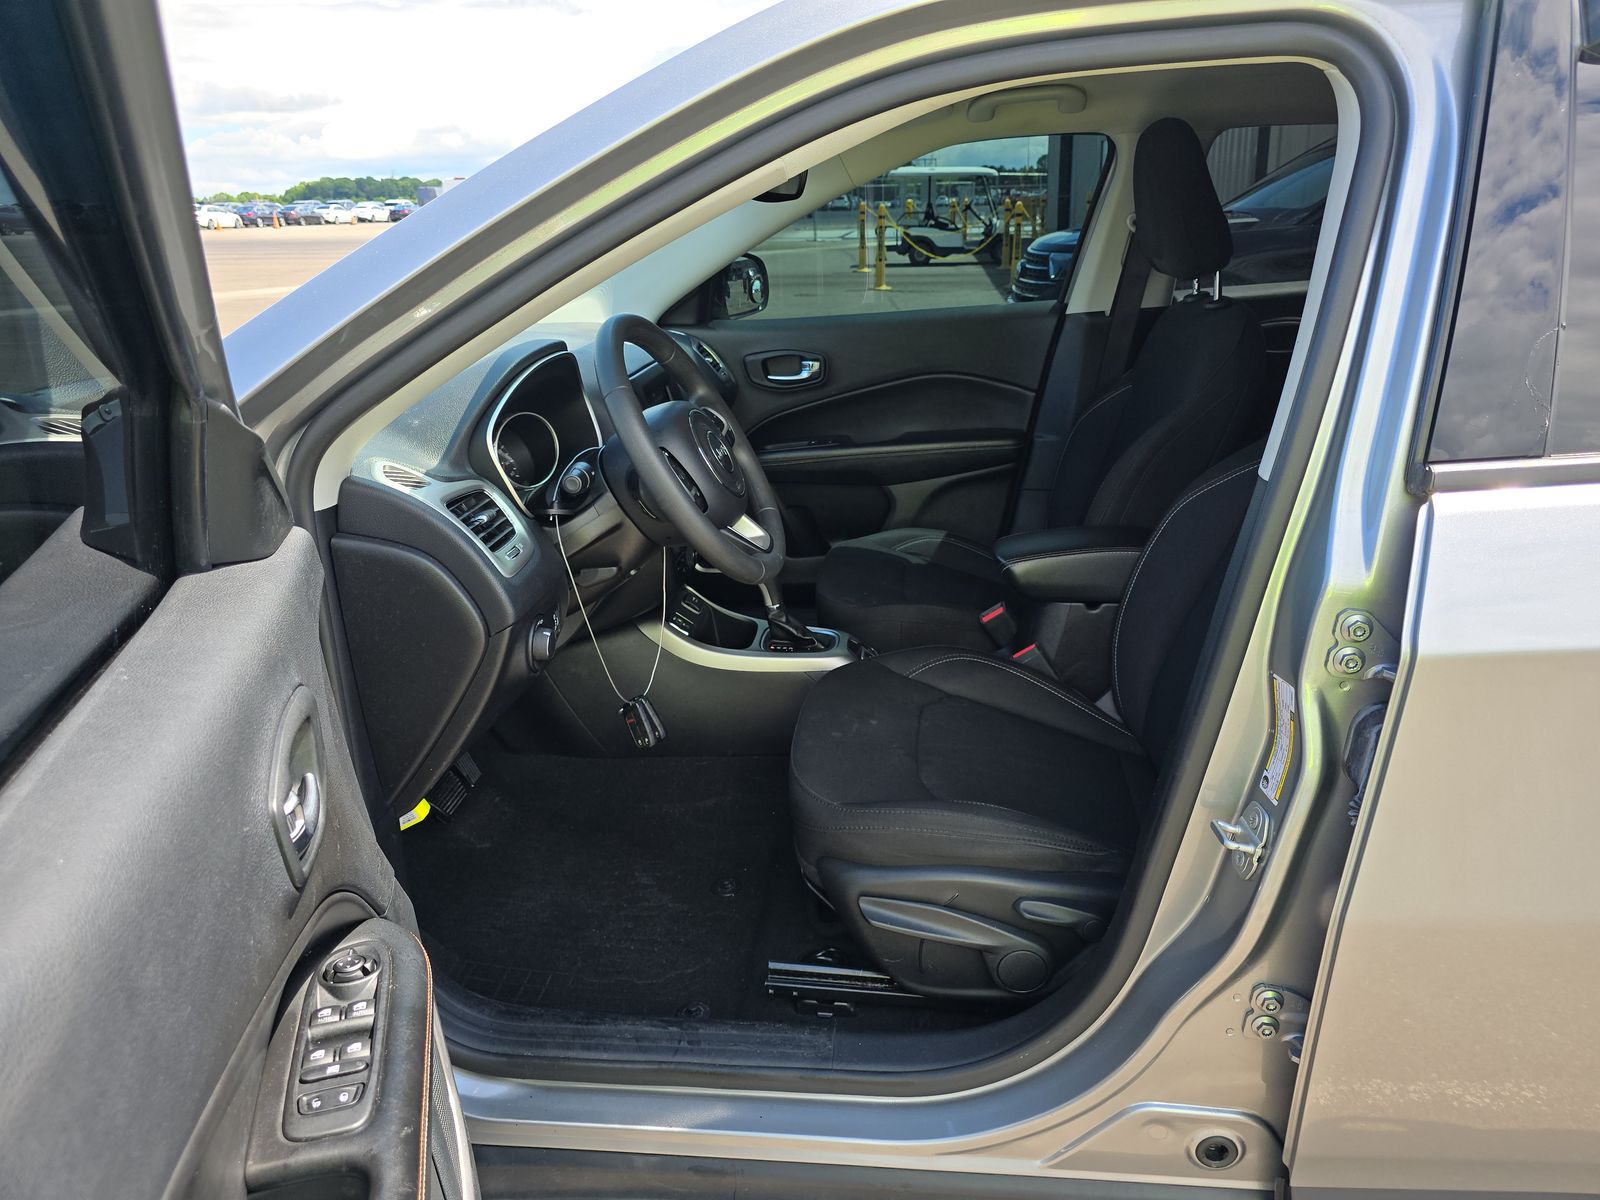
357	1009
326	1015
330	1099
351	966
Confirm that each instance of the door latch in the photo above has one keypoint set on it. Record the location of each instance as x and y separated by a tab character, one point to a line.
1245	838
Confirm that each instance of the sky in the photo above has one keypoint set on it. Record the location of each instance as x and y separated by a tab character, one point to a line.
273	92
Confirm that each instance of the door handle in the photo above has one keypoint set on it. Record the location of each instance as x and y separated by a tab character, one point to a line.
302	813
810	368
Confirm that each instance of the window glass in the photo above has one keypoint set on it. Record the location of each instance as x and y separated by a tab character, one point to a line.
1273	181
972	224
48	374
1575	408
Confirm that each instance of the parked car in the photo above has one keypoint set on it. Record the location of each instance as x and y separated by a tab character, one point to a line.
253	213
371	210
217	216
1274	225
1178	782
400	209
303	212
338	213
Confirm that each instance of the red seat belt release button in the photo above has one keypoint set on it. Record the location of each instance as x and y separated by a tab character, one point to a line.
1000	625
1030	657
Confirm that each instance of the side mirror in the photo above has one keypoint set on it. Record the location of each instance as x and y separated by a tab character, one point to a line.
744	286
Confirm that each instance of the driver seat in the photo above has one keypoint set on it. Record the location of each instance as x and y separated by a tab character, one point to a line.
1190	400
973	823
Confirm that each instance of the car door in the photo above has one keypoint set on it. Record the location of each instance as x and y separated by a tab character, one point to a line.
210	985
906	401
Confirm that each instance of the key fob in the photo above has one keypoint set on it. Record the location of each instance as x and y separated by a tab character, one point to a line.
643	722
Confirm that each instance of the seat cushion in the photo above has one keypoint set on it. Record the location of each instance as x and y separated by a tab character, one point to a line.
942	756
910	587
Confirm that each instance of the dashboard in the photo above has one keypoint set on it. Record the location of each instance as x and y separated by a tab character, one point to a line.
444	545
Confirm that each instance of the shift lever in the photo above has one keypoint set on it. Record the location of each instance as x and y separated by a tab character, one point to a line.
783	629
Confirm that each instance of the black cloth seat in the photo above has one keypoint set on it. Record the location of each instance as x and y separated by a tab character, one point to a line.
949	760
1189	401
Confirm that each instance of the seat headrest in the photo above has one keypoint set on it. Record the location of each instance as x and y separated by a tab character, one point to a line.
1179	218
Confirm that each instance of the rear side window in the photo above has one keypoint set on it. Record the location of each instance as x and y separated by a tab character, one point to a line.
1522	374
1273	183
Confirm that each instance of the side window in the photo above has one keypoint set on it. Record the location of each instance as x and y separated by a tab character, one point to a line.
978	223
48	374
1273	183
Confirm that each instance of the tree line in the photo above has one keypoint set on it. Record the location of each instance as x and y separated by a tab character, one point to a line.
340	187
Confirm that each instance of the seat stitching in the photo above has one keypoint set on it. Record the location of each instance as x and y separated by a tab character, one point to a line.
932	799
1069	553
958	543
1127	592
1023	675
1077	423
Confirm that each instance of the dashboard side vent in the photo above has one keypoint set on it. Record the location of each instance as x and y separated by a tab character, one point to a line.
403	477
712	360
484	519
57	425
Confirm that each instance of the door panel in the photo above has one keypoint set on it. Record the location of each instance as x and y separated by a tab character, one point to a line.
911	418
149	910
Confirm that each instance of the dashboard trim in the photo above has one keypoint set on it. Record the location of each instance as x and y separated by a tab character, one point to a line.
437	494
493	423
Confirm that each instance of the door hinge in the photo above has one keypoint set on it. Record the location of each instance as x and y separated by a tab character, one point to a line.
1278	1014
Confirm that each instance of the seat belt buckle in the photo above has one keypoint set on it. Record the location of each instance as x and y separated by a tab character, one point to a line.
1036	662
1000	625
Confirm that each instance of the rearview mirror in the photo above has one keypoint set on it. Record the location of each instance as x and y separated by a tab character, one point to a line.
744	286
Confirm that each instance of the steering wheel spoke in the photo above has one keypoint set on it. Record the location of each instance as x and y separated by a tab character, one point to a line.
691	459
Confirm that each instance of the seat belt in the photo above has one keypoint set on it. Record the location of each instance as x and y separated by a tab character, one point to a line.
1126	303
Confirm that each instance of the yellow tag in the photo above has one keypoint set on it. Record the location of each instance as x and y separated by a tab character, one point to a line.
407	820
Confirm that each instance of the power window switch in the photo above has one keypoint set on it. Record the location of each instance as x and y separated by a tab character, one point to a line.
357	1009
333	1070
329	1099
326	1015
318	1056
355	1048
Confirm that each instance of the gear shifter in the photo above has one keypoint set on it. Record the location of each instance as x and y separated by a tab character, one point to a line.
784	633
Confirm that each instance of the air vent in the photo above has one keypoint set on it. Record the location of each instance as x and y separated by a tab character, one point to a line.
713	359
403	477
59	426
484	519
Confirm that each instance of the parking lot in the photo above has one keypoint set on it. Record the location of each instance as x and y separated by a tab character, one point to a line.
810	263
251	268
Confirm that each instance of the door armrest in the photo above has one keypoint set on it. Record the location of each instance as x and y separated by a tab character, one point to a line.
1078	564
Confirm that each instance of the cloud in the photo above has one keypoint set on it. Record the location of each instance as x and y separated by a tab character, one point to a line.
219	100
272	93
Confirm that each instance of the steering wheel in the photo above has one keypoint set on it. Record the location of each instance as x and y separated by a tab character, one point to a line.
696	468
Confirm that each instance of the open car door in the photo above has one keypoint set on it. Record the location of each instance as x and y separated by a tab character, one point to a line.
209	983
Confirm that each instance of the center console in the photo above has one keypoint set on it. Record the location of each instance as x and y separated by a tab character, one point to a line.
702	632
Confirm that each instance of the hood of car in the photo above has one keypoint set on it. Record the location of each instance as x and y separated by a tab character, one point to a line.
1055	243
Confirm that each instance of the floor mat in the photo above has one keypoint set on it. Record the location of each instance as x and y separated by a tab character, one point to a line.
643	887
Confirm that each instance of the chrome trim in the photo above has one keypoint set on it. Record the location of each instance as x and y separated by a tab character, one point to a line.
747	529
555	459
749	659
492	424
437	494
1513	472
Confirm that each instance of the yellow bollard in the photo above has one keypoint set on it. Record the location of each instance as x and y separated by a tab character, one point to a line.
955	219
881	264
1005	234
861	267
911	208
1018	215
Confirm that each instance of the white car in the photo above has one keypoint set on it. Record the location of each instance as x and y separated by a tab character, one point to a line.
337	214
215	216
371	210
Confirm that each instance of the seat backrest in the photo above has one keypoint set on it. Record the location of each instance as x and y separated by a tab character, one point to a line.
1166	609
1189	399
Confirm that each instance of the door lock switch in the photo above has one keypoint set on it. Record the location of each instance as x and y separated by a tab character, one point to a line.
330	1099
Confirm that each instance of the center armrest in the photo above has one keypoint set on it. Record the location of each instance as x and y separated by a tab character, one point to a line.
1078	564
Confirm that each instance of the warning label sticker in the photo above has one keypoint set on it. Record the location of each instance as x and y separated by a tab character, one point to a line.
1282	751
